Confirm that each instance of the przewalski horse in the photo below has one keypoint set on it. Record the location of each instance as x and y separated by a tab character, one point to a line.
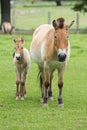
21	60
7	28
50	49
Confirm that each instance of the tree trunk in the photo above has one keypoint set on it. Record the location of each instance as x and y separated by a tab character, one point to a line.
58	2
5	11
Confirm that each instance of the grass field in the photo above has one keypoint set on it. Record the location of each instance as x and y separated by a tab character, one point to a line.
30	114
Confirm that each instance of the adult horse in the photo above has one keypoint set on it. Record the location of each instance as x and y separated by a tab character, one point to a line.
50	49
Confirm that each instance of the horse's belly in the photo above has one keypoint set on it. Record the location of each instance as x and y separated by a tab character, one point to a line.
36	56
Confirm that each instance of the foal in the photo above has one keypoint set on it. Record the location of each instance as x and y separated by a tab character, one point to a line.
21	60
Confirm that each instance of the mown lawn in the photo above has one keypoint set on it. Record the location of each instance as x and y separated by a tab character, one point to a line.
30	113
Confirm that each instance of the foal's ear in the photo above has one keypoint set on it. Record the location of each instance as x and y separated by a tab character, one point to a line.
22	39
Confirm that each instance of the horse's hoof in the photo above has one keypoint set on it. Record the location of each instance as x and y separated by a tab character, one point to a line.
50	98
25	95
22	98
45	104
61	105
17	98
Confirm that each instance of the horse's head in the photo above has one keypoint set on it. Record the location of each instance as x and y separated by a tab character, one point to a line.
19	45
61	38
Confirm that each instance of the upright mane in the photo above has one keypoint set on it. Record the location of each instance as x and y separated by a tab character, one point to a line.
58	23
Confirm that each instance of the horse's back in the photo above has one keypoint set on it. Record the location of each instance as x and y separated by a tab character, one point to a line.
42	29
39	41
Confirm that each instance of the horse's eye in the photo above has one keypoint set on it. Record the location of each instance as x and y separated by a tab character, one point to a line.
67	37
21	47
55	37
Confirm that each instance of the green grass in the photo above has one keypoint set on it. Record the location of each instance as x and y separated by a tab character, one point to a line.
29	16
30	113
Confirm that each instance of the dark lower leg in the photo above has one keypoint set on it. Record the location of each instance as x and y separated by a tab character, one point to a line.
22	89
50	87
41	82
45	97
60	100
17	89
50	91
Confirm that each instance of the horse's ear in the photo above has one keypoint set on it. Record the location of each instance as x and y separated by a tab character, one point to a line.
54	24
72	22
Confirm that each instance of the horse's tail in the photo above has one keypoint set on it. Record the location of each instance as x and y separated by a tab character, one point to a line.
38	75
40	78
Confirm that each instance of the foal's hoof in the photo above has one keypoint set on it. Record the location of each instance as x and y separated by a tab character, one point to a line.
45	104
61	105
50	98
17	97
22	98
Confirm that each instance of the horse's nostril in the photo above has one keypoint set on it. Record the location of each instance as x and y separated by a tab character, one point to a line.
62	57
18	58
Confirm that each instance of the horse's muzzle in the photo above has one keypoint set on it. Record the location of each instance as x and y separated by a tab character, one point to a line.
18	58
62	57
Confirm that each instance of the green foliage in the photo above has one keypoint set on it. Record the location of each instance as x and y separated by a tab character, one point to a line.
28	16
30	113
81	5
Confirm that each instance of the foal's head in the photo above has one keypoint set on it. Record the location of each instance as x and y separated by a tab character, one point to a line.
61	38
19	45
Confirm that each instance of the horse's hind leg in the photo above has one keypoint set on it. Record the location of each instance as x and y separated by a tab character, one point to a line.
46	83
41	82
50	88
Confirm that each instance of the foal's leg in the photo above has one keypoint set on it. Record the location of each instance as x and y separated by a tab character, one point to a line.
60	85
23	84
17	84
17	89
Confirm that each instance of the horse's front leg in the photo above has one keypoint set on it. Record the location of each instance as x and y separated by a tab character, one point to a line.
46	83
60	85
